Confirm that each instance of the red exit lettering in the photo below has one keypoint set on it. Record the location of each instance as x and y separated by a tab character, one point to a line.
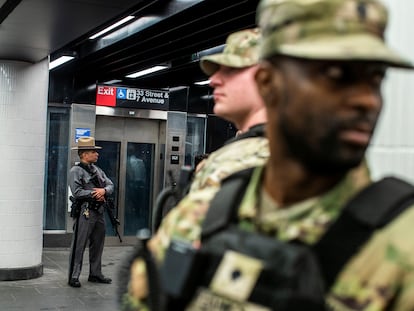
105	96
105	90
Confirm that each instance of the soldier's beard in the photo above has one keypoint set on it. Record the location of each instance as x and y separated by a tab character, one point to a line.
324	155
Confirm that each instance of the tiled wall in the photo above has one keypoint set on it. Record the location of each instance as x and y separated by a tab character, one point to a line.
23	104
392	150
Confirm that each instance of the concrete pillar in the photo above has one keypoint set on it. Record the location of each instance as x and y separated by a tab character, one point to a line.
23	113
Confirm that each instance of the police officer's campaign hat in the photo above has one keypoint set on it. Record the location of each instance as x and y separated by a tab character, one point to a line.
241	50
326	30
86	143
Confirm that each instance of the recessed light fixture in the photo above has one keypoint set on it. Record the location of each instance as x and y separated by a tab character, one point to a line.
108	29
202	82
91	87
59	61
112	81
147	71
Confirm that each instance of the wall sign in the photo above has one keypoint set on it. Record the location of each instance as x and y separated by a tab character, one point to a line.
175	159
82	132
131	97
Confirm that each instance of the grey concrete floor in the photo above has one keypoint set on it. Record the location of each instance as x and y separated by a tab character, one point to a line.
51	292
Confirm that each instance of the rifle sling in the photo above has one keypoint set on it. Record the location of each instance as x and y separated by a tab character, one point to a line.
96	176
223	207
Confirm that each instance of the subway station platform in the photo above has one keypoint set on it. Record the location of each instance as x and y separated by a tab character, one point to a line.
51	291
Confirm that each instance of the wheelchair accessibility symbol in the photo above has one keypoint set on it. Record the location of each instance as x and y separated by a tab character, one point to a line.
121	93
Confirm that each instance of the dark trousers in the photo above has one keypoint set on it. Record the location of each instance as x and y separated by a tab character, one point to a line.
92	229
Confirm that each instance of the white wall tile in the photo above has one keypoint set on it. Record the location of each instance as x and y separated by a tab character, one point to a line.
23	111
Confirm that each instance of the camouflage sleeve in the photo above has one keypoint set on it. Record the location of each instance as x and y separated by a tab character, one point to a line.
381	276
402	254
133	286
405	301
231	158
183	222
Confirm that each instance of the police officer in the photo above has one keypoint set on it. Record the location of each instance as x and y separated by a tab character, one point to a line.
89	186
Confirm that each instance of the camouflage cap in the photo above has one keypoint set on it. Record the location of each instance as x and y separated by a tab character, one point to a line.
242	50
326	30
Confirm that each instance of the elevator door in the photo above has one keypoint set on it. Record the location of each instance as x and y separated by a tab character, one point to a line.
129	158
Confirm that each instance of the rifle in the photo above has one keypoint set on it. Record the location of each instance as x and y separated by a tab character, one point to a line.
110	209
109	202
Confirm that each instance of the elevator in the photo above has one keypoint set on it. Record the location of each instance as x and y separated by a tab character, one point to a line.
132	157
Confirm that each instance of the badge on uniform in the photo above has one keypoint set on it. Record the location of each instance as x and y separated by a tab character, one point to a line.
236	276
86	213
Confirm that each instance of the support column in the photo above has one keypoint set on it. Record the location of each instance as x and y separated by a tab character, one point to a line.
23	115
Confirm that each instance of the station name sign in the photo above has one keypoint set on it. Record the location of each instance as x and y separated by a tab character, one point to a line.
131	97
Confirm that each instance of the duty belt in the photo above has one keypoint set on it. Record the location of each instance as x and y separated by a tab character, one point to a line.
95	205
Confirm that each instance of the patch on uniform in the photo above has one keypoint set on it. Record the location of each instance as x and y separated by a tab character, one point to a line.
236	276
206	300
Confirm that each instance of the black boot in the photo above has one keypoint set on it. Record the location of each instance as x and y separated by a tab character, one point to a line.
74	282
99	279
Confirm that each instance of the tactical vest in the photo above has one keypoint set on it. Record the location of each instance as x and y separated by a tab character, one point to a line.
240	270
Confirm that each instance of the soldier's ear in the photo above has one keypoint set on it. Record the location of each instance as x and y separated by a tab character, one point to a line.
267	84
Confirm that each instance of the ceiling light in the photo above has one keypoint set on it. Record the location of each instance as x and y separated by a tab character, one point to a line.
91	87
112	81
59	61
213	50
147	71
122	21
202	82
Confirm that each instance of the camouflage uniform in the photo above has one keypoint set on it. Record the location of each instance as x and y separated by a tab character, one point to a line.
242	50
326	30
381	275
381	272
229	159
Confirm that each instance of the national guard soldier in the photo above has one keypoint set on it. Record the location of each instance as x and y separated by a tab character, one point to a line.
237	100
301	232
